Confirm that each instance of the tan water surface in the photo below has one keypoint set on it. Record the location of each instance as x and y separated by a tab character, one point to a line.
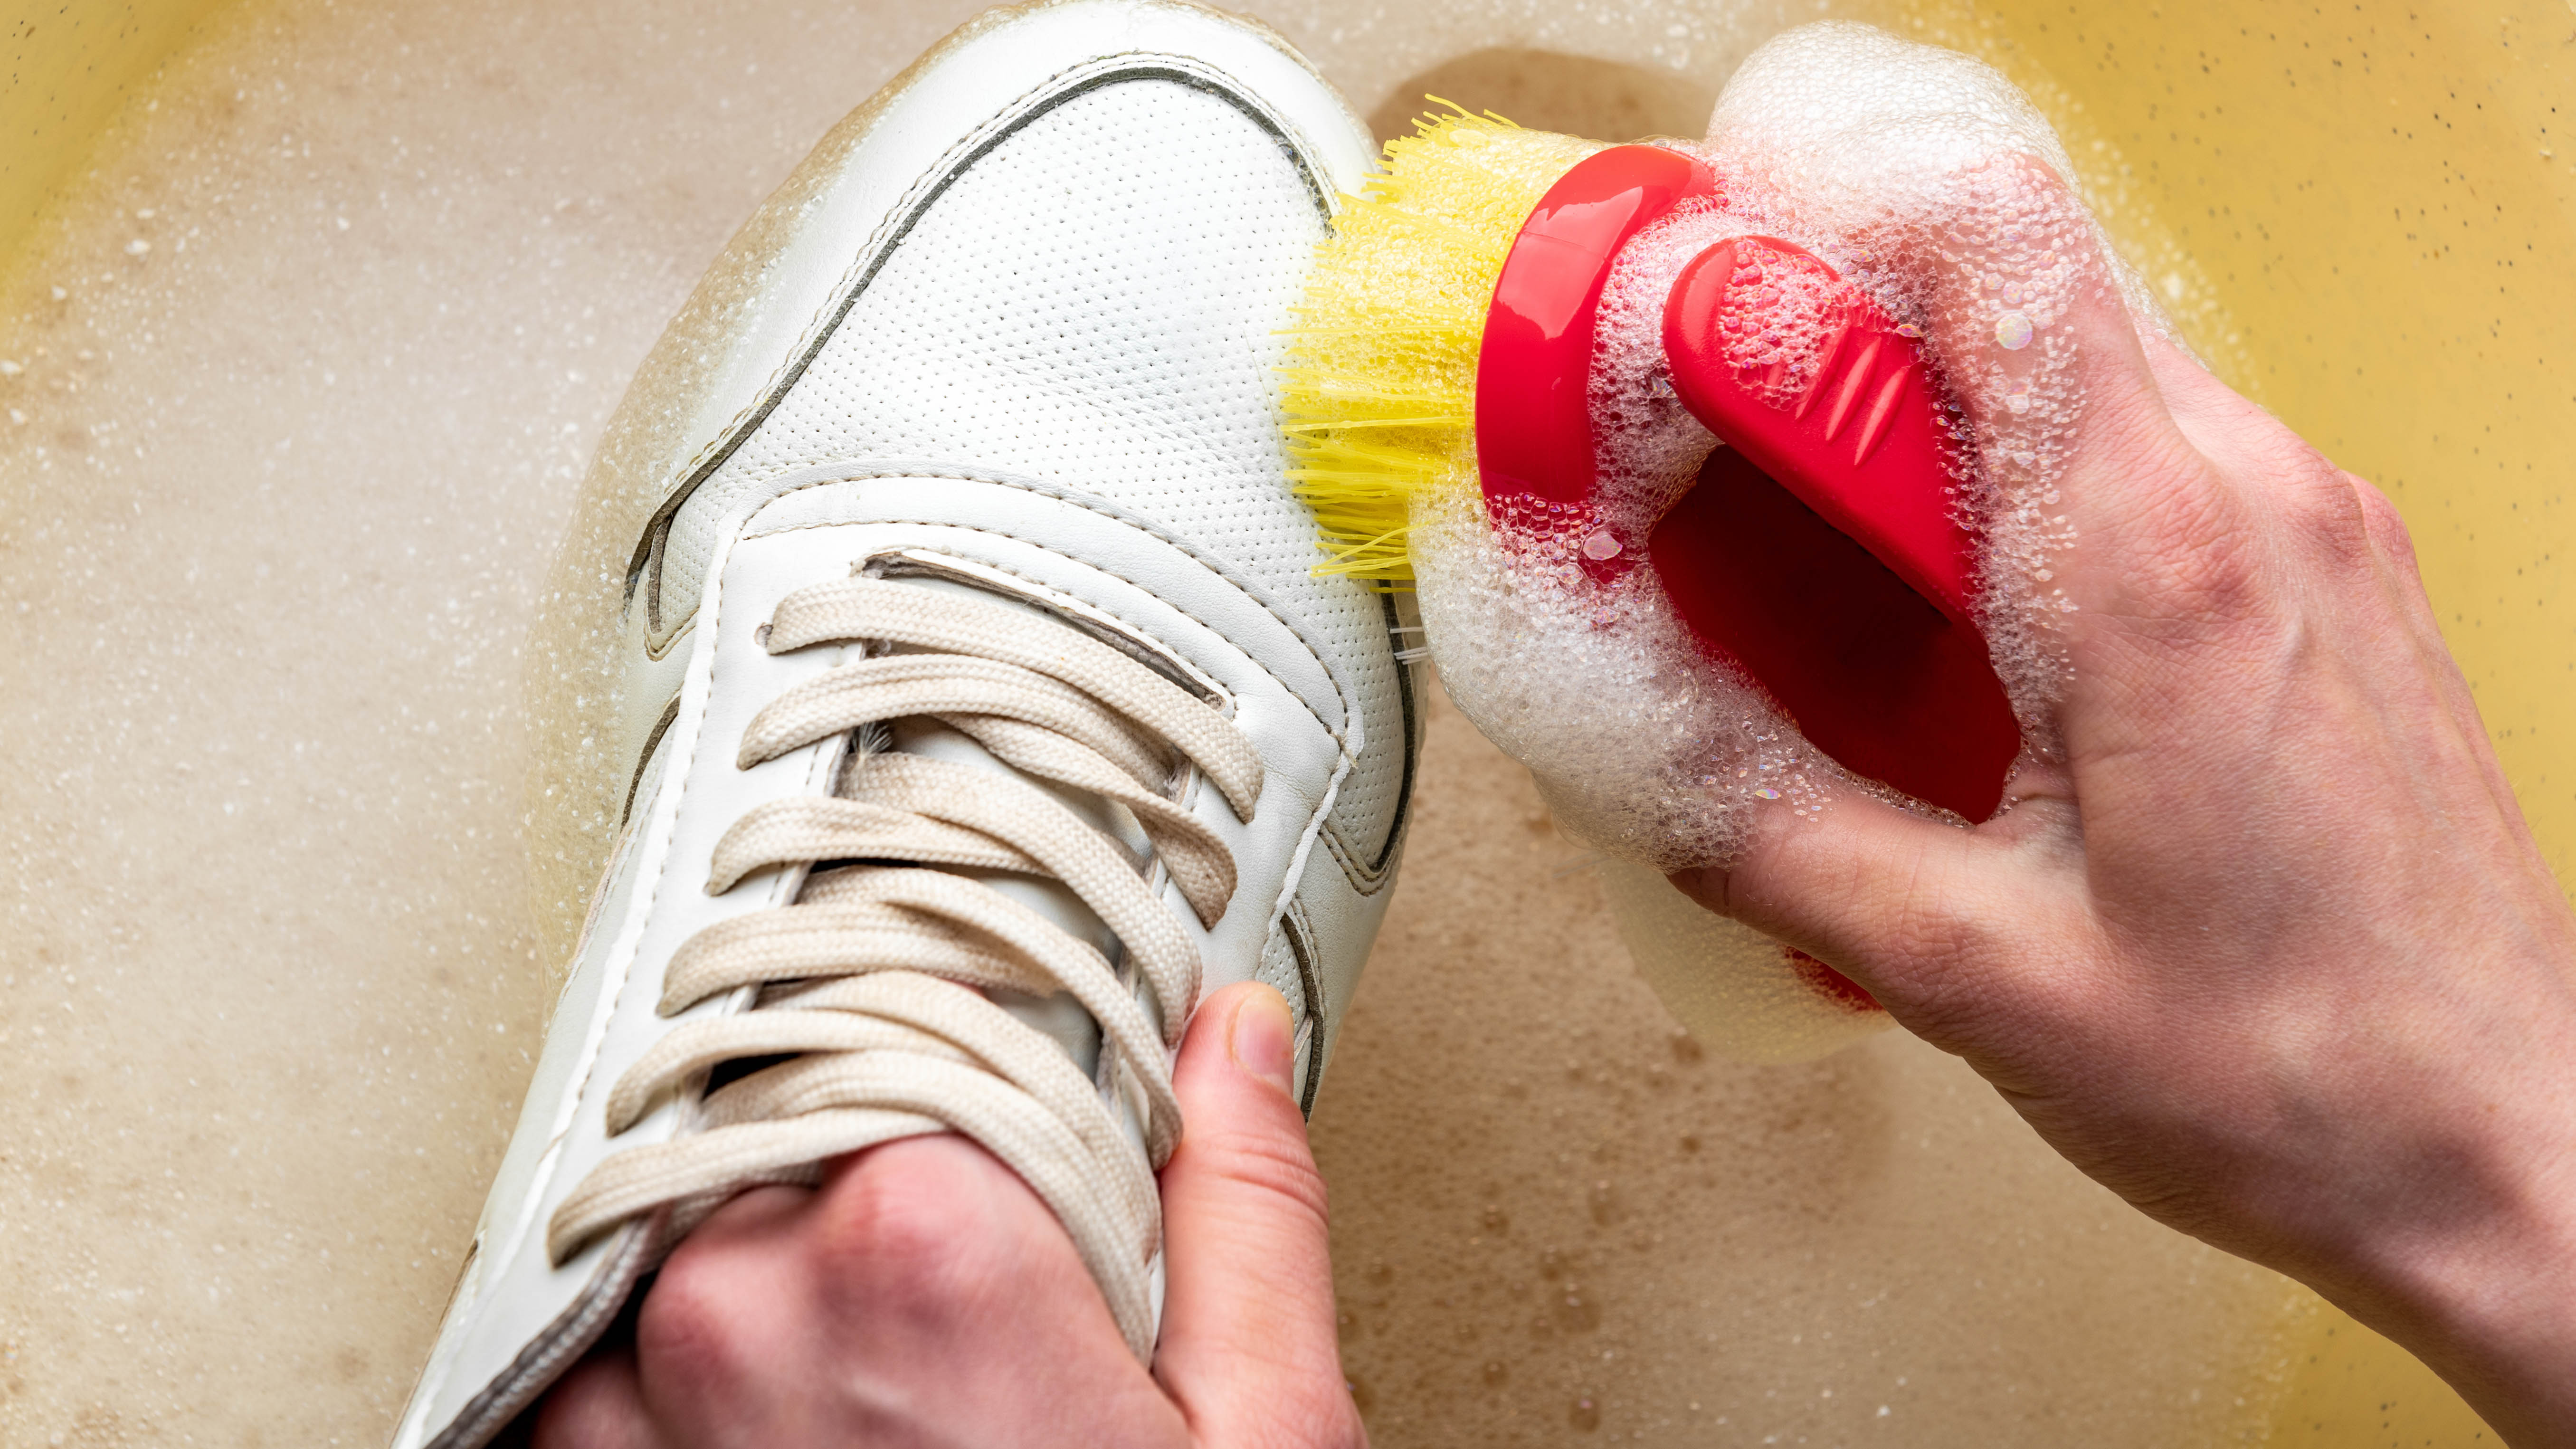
301	356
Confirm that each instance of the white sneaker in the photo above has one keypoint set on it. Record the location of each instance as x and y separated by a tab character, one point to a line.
984	710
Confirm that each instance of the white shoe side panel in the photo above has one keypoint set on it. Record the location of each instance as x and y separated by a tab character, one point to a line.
703	792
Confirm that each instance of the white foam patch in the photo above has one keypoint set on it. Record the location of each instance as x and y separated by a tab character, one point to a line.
1644	748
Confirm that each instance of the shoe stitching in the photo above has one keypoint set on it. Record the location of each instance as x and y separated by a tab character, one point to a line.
566	1337
1365	881
474	1416
1273	675
1047	593
1300	934
625	954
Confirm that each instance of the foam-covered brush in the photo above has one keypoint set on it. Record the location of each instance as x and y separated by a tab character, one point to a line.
1694	516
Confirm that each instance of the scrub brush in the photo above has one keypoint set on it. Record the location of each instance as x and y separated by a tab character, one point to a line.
1513	326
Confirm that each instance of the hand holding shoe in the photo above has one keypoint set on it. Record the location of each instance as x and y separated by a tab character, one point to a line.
924	1296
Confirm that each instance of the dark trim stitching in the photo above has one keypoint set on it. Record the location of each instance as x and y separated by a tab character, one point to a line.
1301	949
644	757
891	563
568	1337
1412	742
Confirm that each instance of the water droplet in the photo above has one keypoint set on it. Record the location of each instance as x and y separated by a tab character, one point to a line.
1768	793
137	247
2012	331
1586	1415
1601	545
1908	329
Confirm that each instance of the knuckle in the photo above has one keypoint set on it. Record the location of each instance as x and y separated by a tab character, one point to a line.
2214	581
2386	525
690	1327
2326	514
910	1237
1276	1165
2189	541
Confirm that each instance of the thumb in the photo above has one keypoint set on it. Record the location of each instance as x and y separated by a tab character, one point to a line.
1248	1348
1951	930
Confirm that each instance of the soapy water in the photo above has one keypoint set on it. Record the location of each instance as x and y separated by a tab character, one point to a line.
297	1009
1924	178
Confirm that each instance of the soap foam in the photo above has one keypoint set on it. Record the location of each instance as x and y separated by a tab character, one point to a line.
1930	182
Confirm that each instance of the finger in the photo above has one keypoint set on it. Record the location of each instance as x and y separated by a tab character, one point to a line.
921	1293
2103	520
1248	1348
2345	531
599	1405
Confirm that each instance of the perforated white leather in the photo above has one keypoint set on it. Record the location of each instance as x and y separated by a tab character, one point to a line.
1094	302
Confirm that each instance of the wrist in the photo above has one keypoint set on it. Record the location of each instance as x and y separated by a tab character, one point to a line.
2482	1285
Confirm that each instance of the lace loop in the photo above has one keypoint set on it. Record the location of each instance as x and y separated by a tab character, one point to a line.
870	984
865	608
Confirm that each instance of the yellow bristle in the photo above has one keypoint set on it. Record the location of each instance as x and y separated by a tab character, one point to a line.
1379	390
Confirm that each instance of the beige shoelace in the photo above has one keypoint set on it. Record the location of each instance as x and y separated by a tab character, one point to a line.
871	983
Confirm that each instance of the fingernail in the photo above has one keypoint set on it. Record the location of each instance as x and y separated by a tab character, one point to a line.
1260	1038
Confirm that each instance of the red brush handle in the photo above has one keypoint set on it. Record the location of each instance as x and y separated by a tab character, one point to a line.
1860	442
1533	410
1820	552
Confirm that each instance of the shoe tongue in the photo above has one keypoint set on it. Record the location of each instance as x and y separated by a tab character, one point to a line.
1058	1015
